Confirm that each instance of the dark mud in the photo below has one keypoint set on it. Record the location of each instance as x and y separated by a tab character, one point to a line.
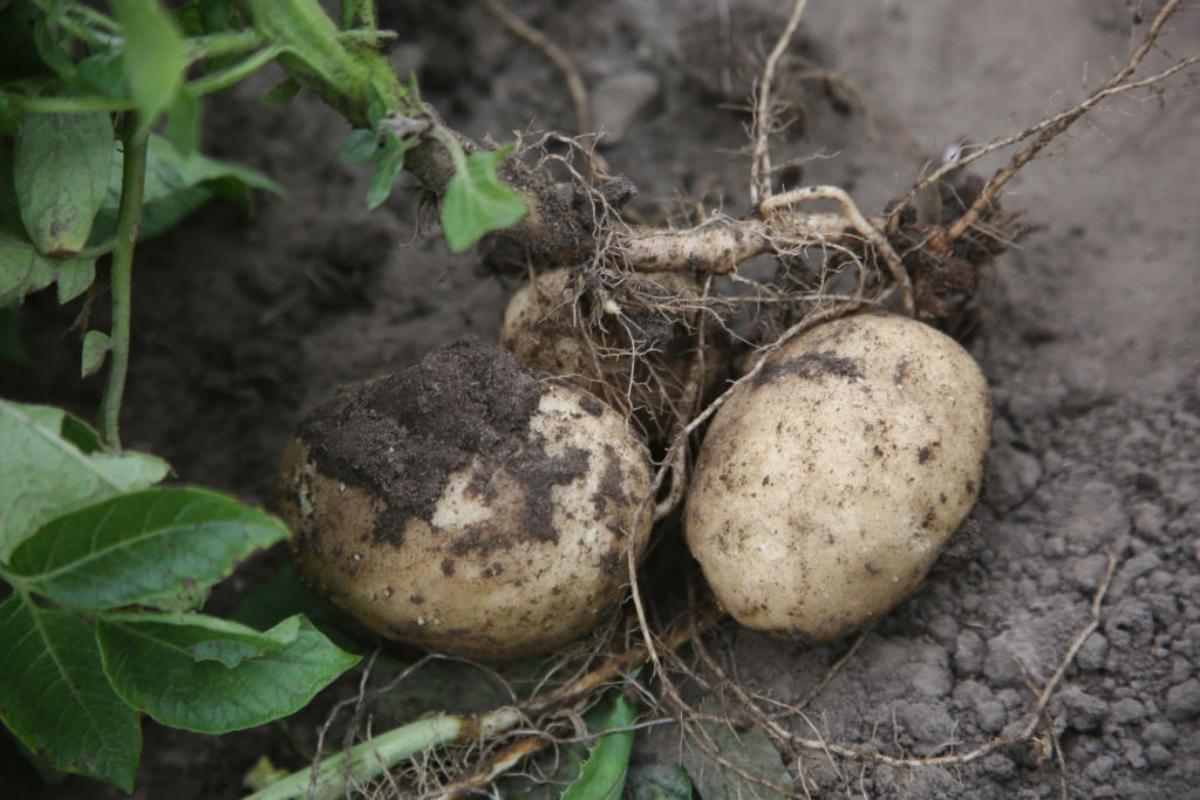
402	435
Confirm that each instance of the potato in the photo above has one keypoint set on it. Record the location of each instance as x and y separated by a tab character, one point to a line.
654	314
463	506
829	482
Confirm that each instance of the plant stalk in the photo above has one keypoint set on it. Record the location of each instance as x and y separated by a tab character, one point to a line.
129	215
365	761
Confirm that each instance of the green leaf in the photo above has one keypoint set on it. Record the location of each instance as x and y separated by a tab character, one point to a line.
220	175
24	270
10	124
96	345
74	278
603	774
175	187
167	198
11	347
152	661
360	147
60	171
155	55
48	470
226	652
53	46
282	92
477	203
161	548
282	596
200	17
103	74
660	782
389	163
376	106
56	699
310	36
751	750
82	435
183	123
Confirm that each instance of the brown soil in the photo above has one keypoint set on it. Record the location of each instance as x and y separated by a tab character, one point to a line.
1086	333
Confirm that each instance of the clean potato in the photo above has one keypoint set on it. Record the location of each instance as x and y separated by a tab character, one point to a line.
463	506
829	482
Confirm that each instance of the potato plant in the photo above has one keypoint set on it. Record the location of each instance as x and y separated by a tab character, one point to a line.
106	570
412	503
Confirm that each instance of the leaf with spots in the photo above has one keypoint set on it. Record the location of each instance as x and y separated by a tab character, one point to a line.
160	548
60	173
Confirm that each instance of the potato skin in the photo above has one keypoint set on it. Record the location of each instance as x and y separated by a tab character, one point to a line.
828	484
543	327
538	328
522	549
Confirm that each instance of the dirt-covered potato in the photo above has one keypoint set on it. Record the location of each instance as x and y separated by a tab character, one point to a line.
654	315
464	506
830	481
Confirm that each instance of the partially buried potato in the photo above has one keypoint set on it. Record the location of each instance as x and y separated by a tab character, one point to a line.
462	505
551	330
829	482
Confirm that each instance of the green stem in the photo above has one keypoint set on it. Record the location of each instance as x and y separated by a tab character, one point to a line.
223	44
12	580
68	105
225	78
458	156
366	12
95	251
207	84
361	11
367	35
129	215
370	759
96	17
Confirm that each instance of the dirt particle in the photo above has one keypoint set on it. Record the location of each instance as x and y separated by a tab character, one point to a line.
809	366
611	562
448	567
927	453
611	483
415	599
591	405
